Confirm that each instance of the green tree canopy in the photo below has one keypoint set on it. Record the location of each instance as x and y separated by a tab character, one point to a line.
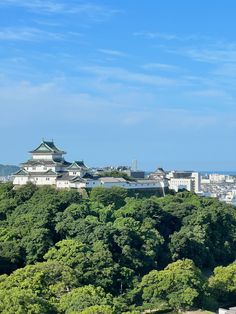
81	298
180	284
48	280
223	284
98	309
106	196
16	300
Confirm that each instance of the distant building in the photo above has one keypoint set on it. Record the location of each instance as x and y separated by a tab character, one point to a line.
4	179
217	178
188	180
136	174
159	173
47	166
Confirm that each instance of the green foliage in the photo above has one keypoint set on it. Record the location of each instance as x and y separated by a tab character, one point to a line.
24	193
10	256
98	309
180	284
115	195
223	284
48	280
142	250
115	174
84	297
208	237
19	301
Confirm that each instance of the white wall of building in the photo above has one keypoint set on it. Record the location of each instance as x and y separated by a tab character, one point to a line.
177	184
76	173
63	184
197	181
20	180
41	180
205	181
217	178
191	183
39	168
46	156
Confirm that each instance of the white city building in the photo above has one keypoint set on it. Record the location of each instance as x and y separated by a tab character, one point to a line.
188	180
217	178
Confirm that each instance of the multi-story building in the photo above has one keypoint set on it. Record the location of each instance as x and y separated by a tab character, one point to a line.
188	180
47	166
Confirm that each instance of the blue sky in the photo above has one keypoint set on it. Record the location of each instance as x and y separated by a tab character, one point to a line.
112	81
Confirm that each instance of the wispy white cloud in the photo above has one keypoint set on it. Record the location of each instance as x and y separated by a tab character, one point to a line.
49	23
120	74
91	10
34	34
42	5
113	53
211	55
160	66
226	70
27	34
36	99
169	37
211	93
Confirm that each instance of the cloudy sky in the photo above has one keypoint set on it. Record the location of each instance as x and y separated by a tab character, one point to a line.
113	81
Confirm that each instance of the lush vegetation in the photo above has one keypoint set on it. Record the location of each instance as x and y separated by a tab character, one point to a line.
115	174
110	252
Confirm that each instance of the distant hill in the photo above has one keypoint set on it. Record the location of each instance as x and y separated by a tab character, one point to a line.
6	170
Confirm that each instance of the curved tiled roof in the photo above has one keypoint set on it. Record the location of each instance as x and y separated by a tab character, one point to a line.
21	172
53	162
47	147
77	164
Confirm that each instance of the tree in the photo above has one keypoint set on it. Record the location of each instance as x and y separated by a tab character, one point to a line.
25	192
139	243
10	256
106	196
222	284
93	263
180	284
208	236
16	300
81	298
98	309
48	280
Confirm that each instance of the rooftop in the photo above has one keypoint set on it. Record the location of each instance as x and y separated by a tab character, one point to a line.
47	147
78	164
112	180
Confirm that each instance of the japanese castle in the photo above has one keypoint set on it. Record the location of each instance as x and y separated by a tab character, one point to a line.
47	166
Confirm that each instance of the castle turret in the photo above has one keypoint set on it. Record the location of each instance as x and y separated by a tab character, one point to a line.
47	151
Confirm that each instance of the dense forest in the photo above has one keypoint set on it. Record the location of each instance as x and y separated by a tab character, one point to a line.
108	252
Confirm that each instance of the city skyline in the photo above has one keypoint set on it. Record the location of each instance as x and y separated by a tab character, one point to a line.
113	82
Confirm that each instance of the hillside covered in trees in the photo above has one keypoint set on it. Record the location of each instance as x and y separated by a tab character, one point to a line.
111	253
6	170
